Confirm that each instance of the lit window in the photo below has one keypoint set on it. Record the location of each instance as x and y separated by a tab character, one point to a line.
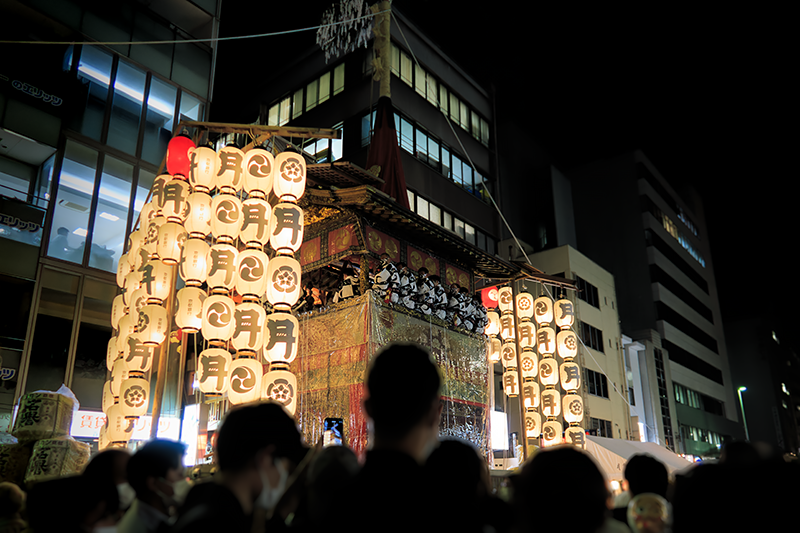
325	87
338	78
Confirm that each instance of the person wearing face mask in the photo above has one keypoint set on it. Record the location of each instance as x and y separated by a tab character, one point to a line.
155	472
257	446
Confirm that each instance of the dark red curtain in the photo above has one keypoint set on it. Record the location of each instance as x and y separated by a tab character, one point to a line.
385	153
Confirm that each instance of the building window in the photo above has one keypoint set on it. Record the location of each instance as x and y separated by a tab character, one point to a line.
439	216
600	427
686	396
588	292
596	383
666	417
591	336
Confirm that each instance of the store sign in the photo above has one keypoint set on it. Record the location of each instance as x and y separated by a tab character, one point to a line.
87	424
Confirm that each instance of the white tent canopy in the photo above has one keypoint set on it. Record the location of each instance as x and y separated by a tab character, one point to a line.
612	455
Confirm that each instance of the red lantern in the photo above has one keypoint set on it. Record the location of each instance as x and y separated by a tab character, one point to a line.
179	151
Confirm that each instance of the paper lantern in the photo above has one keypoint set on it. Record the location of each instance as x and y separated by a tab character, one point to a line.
189	308
543	310
575	436
127	326
507	327
256	216
156	281
573	408
179	152
218	317
280	386
230	170
550	402
494	350
567	343
134	397
119	373
213	372
171	237
249	320
533	424
147	214
135	241
118	428
198	220
245	381
118	309
258	169
527	335
193	266
529	364
204	168
524	305
102	440
176	195
138	300
289	178
221	263
286	228
283	281
227	218
548	371
570	376
112	353
138	356
493	324
153	325
281	332
511	383
546	340
564	313
141	258
530	395
123	269
509	355
131	285
551	433
151	241
505	299
108	398
251	277
157	192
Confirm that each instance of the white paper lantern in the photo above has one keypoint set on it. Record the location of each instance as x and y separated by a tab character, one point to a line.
280	386
575	436
530	394
258	170
505	299
543	310
507	327
511	383
138	300
108	396
548	371
550	402
135	242
546	340
281	332
551	433
141	258
153	326
102	440
533	424
151	241
156	280
138	356
289	178
495	347
171	237
567	343
198	220
131	285
245	381
118	428
218	317
176	194
112	353
509	355
158	191
221	262
493	324
230	170
248	333
118	309
524	305
283	281
123	269
256	216
564	313
570	376
119	373
127	326
251	278
227	218
134	397
193	266
529	364
527	335
189	308
573	408
204	168
213	372
286	228
146	215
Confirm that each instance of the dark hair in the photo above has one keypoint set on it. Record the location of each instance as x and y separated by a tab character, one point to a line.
402	384
154	459
645	473
250	428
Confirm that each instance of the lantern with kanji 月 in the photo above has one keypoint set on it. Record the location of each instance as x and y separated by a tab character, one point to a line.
151	241
283	281
119	373
249	320
495	346
112	353
127	326
193	266
198	221
281	332
551	433
108	398
189	310
256	216
493	324
570	376
550	402
509	355
131	284
289	176
204	166
529	364
524	306
507	326
179	151
573	408
548	371
153	325
171	237
138	356
533	424
226	220
286	228
123	269
530	394
221	263
527	335
157	191
213	372
251	278
280	386
575	436
511	383
567	343
229	170
118	309
258	167
156	281
546	340
543	310
505	299
564	313
134	397
245	381
218	318
176	195
118	428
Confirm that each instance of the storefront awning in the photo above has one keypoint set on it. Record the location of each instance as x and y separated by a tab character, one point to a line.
613	454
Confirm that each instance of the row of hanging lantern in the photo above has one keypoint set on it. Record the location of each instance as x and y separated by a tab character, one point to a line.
174	230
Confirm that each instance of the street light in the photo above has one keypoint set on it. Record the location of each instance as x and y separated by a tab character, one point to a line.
741	404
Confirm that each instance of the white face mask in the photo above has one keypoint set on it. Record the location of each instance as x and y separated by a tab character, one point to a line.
270	495
126	495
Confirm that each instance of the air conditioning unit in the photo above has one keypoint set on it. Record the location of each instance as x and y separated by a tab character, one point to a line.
73	206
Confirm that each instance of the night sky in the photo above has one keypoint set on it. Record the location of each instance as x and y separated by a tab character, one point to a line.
704	93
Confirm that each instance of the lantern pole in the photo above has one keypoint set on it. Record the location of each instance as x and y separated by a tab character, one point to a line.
523	429
161	379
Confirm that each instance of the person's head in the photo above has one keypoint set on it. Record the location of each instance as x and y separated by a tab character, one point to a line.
645	473
62	231
330	470
155	470
384	258
457	463
11	500
109	469
403	386
423	272
435	279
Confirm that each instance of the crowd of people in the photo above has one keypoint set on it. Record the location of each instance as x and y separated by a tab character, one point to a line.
267	479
